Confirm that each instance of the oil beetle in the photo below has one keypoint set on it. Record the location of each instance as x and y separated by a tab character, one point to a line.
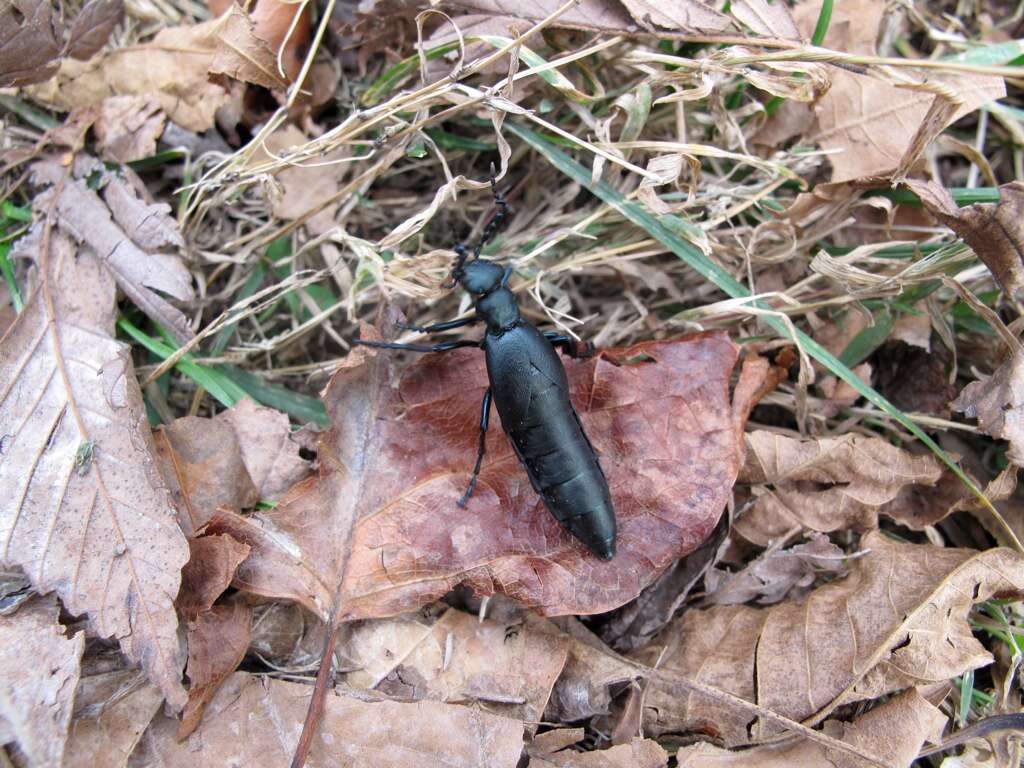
531	392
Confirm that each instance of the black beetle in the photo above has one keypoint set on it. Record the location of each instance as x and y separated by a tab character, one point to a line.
531	392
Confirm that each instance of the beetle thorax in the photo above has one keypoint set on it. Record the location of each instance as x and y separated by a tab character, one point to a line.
499	309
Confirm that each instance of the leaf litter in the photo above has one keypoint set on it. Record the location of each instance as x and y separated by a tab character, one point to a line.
266	186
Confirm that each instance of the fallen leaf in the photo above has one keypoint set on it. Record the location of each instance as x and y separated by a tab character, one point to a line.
993	230
92	519
898	619
240	54
112	229
596	15
29	44
829	484
201	462
677	15
997	402
766	18
274	23
510	669
128	128
217	642
894	730
92	27
774	575
268	451
402	449
582	690
639	753
39	668
211	567
256	721
552	741
173	68
112	710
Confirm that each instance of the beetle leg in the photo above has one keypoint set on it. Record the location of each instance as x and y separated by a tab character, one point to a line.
444	346
436	327
485	418
570	346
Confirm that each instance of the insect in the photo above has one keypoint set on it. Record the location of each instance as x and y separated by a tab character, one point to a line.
529	388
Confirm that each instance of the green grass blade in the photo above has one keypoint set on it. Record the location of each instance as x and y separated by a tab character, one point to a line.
729	285
300	407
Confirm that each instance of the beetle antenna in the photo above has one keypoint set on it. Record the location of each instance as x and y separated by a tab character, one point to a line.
463	254
496	220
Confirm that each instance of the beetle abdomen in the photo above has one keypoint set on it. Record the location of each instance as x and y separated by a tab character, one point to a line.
543	427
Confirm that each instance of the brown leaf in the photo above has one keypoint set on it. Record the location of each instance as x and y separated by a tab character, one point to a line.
128	128
993	230
240	54
268	451
997	403
217	642
833	483
639	753
172	68
29	44
92	27
212	565
582	690
510	669
597	15
769	19
896	729
665	430
115	241
112	710
256	721
871	124
39	668
93	519
677	15
773	575
201	462
899	619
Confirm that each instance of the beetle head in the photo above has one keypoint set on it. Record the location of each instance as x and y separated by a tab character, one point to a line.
480	276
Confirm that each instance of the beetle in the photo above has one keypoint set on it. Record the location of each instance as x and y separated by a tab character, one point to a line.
529	388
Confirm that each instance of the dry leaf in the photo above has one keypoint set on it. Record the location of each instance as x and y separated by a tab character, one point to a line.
240	54
209	571
898	620
172	68
596	15
894	730
29	44
93	519
217	642
993	230
273	22
509	668
117	229
92	27
639	753
997	402
830	484
128	128
870	124
771	19
39	668
402	449
256	721
268	451
112	710
677	15
772	576
201	462
582	690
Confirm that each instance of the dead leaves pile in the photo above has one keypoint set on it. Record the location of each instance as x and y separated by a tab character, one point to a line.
177	591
